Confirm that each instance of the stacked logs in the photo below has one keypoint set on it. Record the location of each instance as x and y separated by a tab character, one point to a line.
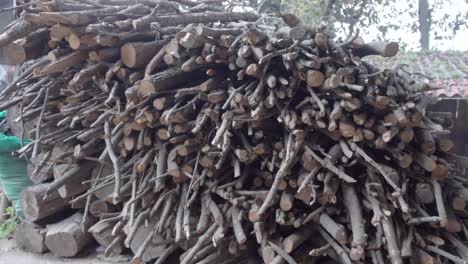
187	134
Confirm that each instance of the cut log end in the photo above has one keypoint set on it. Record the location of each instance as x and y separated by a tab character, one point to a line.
129	55
391	49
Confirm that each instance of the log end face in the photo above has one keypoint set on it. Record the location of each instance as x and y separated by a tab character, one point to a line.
146	87
74	41
128	54
391	49
458	203
453	225
62	244
428	148
315	78
341	236
357	252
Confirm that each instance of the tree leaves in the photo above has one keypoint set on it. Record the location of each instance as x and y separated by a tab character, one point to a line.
9	226
384	16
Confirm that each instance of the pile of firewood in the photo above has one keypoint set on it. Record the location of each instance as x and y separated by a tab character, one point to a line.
186	133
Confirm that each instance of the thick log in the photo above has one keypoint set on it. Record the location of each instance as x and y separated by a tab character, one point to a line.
27	48
105	54
75	176
75	18
426	141
102	233
287	201
217	32
440	172
30	237
445	145
20	29
102	207
165	80
406	135
60	32
315	78
37	205
152	250
201	18
138	54
385	49
67	237
424	161
82	42
58	52
71	60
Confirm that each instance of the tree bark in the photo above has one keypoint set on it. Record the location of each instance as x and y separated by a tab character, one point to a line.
74	184
138	54
27	48
36	207
67	237
20	29
102	233
152	250
425	22
3	205
174	20
30	237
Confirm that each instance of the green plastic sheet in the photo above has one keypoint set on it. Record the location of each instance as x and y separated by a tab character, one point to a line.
13	170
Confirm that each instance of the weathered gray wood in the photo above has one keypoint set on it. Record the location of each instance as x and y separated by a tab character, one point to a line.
67	238
74	185
102	233
3	205
30	237
106	191
152	250
37	206
99	207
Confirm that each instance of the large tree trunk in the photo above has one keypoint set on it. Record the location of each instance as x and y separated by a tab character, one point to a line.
425	21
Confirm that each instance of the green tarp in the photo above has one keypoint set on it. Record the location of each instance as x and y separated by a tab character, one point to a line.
13	171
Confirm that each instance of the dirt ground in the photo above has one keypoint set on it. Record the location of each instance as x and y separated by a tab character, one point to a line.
11	254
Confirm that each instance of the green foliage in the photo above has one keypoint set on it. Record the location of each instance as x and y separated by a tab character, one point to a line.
9	226
308	10
384	16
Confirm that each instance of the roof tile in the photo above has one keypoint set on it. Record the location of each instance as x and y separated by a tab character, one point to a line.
447	69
